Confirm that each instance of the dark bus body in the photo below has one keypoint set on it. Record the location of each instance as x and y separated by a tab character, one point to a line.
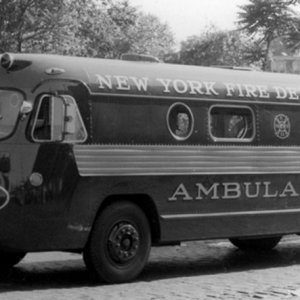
109	157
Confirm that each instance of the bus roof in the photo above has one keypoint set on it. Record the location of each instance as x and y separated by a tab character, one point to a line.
147	79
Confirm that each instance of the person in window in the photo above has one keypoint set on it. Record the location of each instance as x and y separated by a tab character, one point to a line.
182	123
237	127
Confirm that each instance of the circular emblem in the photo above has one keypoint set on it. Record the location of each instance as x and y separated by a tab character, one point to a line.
282	126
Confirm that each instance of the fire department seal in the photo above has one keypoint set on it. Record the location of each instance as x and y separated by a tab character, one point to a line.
282	126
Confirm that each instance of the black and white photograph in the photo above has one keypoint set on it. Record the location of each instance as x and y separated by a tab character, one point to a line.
149	149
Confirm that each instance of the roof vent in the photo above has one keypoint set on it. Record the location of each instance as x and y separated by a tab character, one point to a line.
6	61
139	57
232	67
9	63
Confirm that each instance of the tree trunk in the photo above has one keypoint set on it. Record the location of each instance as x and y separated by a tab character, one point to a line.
267	55
19	45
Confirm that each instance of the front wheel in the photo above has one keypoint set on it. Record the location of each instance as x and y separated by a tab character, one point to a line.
256	244
120	242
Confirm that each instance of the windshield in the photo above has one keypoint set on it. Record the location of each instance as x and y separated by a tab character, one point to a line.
10	104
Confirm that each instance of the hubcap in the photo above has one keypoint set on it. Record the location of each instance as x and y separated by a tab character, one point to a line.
123	242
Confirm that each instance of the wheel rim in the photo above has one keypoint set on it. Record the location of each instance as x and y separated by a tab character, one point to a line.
123	243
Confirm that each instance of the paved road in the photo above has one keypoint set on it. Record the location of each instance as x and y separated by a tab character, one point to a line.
197	270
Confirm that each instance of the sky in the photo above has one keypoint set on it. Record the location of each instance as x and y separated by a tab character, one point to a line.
192	17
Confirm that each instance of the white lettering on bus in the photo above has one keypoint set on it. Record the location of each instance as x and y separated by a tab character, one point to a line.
181	192
293	94
140	83
247	189
230	87
191	87
240	89
247	90
281	93
180	86
104	82
267	193
234	190
122	83
289	188
263	91
250	90
166	84
210	90
206	192
195	87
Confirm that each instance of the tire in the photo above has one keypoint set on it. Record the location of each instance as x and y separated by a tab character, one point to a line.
256	244
9	259
119	244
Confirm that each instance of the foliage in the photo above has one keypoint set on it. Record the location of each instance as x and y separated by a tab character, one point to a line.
101	28
292	38
22	22
96	28
215	47
267	20
150	36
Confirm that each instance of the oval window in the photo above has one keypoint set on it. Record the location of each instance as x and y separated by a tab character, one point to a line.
180	121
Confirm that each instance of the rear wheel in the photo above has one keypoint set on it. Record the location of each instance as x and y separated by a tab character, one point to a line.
119	244
256	244
9	259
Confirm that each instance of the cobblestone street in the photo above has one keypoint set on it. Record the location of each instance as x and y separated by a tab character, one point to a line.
196	270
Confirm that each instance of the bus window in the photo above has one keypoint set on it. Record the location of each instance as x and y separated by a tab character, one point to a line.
49	121
10	104
58	119
231	123
74	127
180	121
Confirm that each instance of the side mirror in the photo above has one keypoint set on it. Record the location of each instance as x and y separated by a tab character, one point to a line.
26	108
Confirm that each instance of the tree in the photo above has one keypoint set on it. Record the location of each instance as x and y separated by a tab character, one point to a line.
215	47
150	36
95	28
78	27
23	22
112	28
267	20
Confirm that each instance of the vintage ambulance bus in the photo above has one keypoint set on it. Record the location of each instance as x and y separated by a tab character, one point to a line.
109	158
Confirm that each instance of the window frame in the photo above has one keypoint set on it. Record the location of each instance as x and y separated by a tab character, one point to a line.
80	119
231	140
177	137
35	119
64	140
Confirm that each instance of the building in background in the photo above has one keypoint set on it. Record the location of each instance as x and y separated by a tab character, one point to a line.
285	64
